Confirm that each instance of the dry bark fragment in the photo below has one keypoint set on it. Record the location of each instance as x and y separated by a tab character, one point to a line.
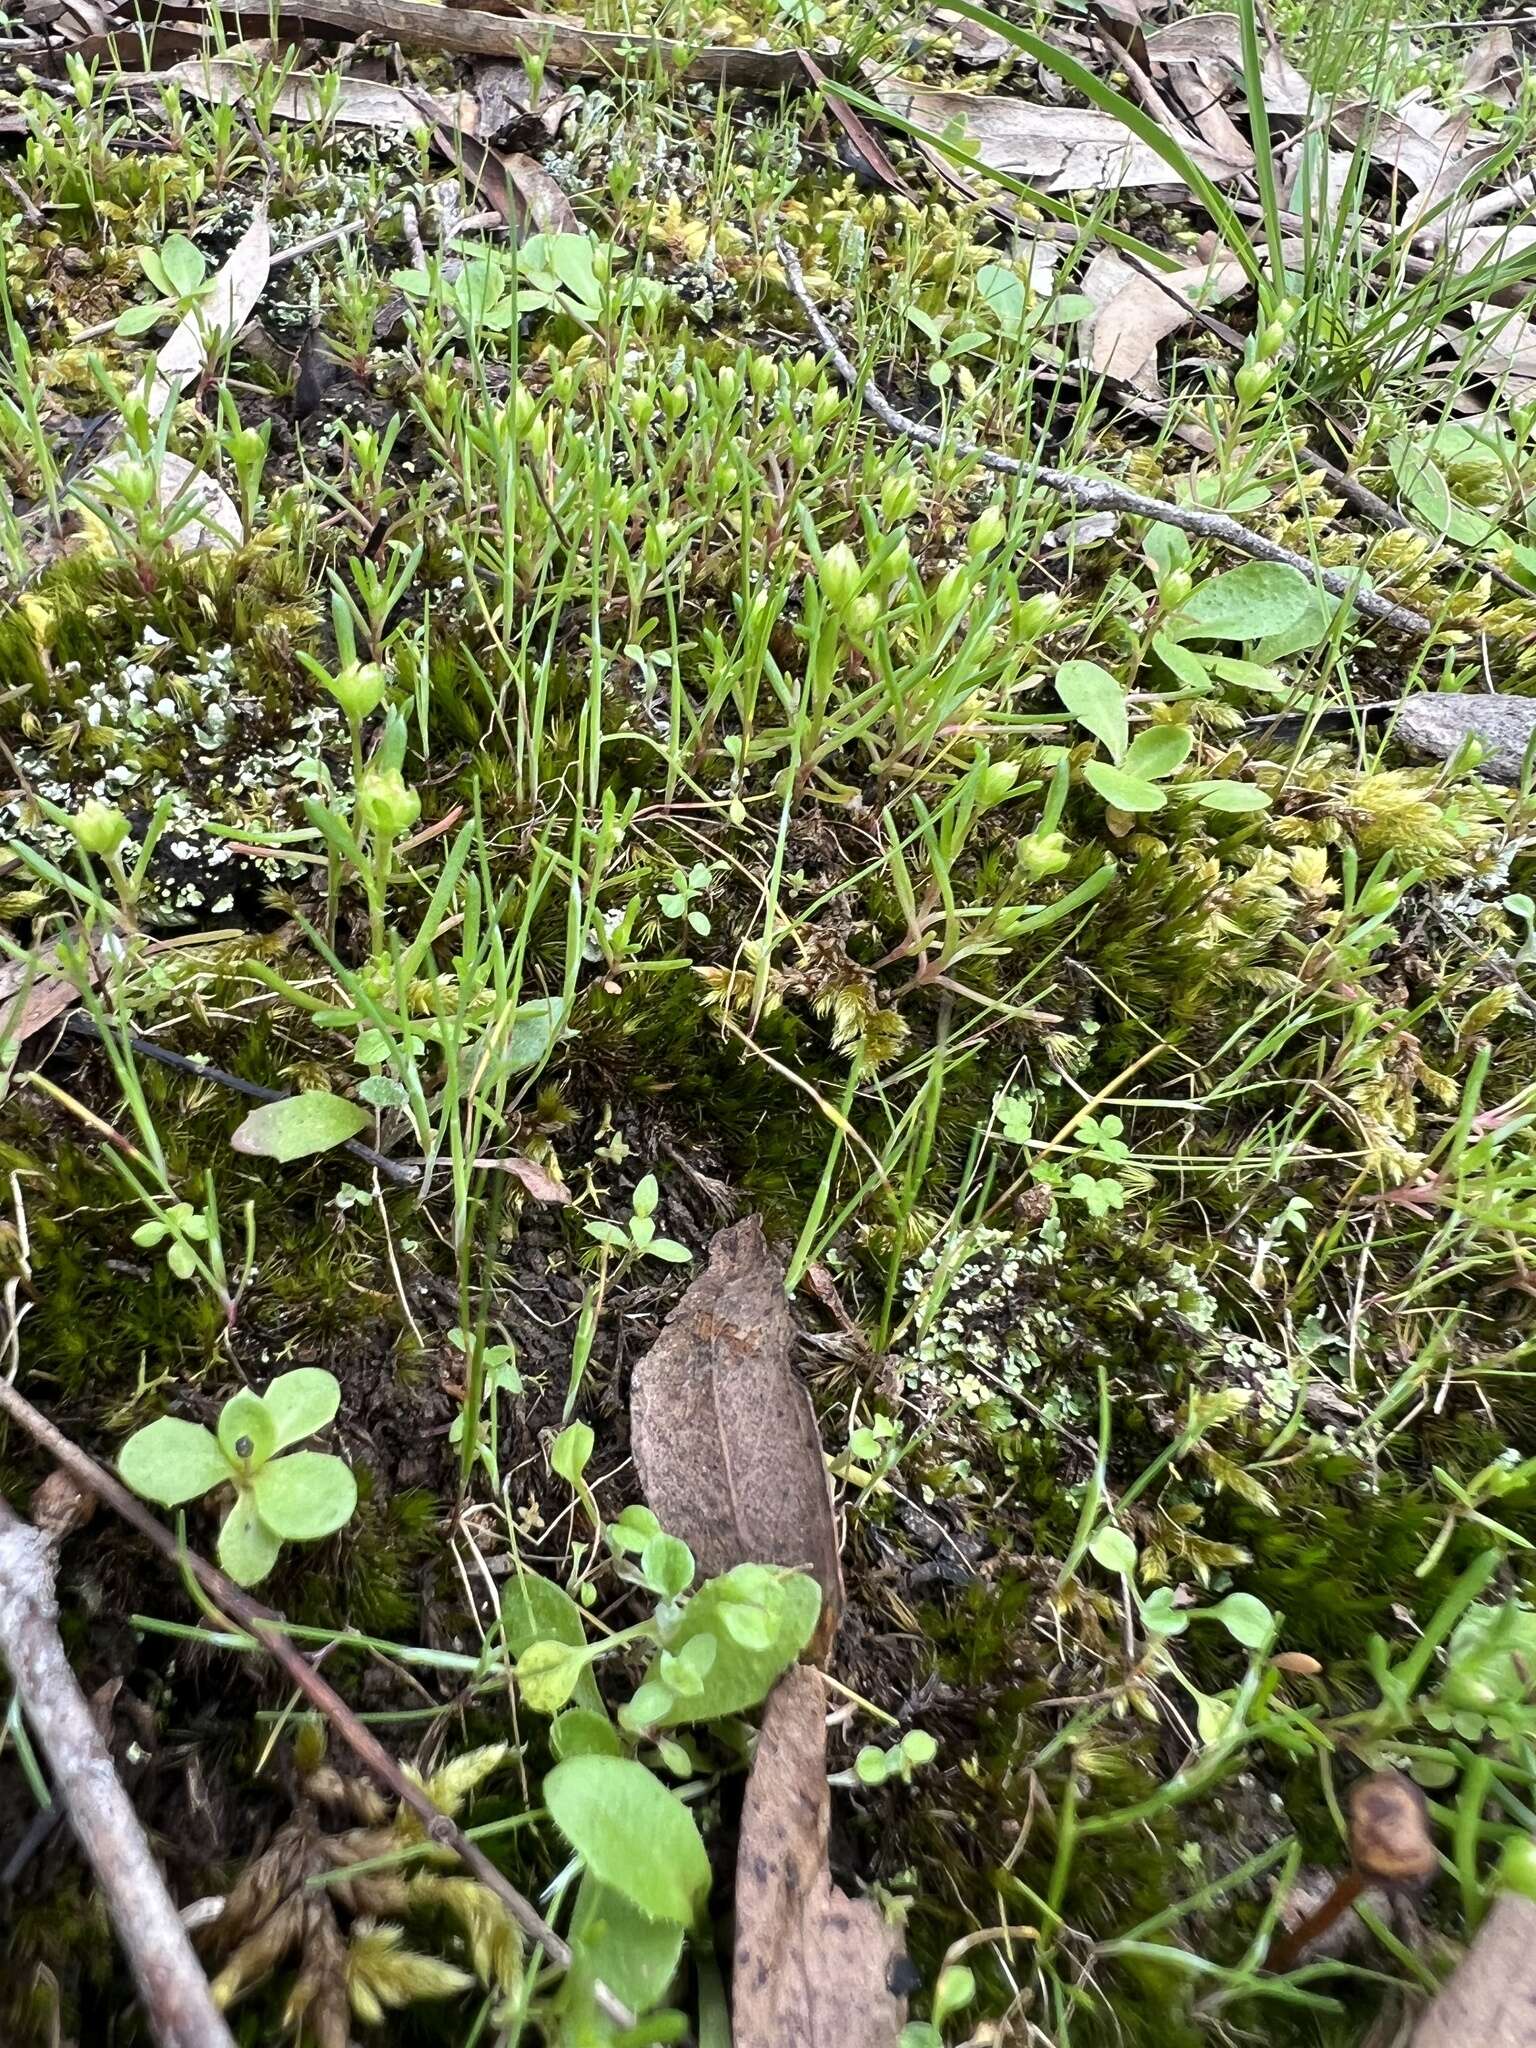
812	1966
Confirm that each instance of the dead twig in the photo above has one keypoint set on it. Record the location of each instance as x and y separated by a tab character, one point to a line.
1100	494
265	1627
393	1170
171	1981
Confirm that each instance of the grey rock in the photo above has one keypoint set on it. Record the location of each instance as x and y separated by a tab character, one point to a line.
1438	725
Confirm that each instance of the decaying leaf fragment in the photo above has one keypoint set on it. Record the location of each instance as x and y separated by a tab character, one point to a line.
1491	2000
812	1966
724	1438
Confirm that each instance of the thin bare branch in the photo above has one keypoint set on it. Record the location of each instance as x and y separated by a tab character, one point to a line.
1100	494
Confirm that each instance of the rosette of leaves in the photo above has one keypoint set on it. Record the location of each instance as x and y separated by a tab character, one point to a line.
301	1902
1489	1664
297	1498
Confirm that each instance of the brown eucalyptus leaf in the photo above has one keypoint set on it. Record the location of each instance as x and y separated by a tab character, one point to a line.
1136	311
1060	149
1490	2002
1216	40
724	1438
357	102
217	317
812	1966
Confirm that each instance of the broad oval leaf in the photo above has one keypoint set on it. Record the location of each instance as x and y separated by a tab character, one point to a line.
631	1833
781	1610
299	1126
614	1945
535	1027
1113	1549
1158	751
1245	1618
535	1609
307	1495
1096	701
547	1673
247	1547
246	1420
1227	796
1125	792
581	1732
172	1462
1247	603
301	1402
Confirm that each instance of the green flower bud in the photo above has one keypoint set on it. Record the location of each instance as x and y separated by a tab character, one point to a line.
247	447
359	689
524	406
802	446
804	372
728	383
1037	614
840	576
1252	380
1272	340
1379	900
952	593
389	806
825	407
1517	1867
763	375
986	531
863	614
900	496
1176	588
1042	854
641	407
99	828
996	783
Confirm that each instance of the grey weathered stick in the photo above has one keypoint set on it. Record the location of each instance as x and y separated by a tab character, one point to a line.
1099	494
265	1627
177	2001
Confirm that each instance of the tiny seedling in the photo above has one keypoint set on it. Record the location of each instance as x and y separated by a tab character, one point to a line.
638	1240
278	1500
680	900
179	273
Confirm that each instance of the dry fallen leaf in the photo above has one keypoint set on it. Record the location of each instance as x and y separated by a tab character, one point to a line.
211	520
973	42
1500	346
1060	149
1420	146
357	102
724	1438
217	317
1490	2002
812	1966
1216	41
1493	69
33	994
1136	311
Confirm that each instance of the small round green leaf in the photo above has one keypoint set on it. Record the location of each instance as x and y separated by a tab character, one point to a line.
1125	792
247	1547
548	1673
1246	603
631	1833
1244	1618
580	1732
1113	1549
301	1402
172	1462
1157	751
1096	701
1226	796
247	1431
299	1126
305	1496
